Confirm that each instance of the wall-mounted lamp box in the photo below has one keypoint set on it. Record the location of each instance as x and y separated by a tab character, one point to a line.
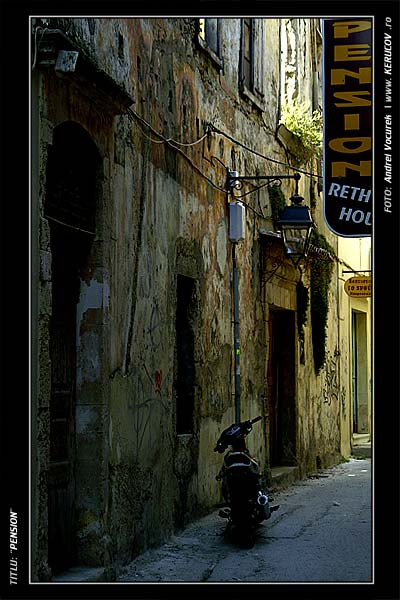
236	221
66	62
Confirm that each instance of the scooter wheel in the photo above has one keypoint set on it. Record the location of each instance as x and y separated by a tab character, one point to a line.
247	538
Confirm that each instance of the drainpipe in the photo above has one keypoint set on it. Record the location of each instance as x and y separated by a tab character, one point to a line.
236	234
236	334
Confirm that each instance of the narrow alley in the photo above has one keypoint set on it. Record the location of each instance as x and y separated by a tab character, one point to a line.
322	532
185	278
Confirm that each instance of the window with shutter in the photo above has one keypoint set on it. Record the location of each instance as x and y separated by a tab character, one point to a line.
210	38
252	60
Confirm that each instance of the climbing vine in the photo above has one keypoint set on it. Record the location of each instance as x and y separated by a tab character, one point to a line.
322	261
278	201
321	275
302	306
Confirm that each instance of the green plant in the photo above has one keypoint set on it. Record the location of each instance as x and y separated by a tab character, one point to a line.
302	306
296	117
278	201
321	275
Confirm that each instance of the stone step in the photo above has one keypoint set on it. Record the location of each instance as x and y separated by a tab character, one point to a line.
283	476
359	439
362	450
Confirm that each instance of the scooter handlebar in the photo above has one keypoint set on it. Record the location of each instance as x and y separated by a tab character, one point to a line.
247	426
256	419
236	430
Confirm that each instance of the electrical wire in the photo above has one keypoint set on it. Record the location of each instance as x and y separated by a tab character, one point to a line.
216	130
256	212
191	143
175	145
70	226
36	44
255	189
172	141
163	138
240	196
210	128
35	54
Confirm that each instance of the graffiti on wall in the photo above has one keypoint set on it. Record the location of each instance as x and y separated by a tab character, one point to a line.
146	401
150	386
331	387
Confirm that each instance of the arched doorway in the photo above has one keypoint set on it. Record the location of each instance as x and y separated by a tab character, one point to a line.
70	209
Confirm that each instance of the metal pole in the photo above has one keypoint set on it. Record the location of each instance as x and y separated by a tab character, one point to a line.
358	271
236	335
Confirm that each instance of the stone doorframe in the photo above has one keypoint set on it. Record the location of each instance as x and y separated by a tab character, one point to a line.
91	413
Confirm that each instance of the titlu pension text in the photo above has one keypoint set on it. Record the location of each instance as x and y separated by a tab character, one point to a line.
13	547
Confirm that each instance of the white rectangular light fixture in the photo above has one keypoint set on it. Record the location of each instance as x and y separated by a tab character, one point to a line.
236	221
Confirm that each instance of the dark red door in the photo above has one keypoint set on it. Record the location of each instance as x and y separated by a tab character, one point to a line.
281	388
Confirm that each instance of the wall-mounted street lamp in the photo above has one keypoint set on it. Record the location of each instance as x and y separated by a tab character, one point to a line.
296	225
295	222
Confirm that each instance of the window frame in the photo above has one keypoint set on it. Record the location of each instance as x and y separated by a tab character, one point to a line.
185	384
213	53
252	89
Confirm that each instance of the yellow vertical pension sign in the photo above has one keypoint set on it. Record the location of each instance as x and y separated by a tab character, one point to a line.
348	108
358	287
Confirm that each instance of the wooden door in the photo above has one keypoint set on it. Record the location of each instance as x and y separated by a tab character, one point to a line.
281	388
61	489
71	188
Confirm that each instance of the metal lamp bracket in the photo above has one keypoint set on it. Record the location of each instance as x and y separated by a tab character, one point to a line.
235	181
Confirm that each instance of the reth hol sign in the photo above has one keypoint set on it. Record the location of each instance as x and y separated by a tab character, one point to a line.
347	97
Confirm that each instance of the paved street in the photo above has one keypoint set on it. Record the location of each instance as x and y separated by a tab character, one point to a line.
321	533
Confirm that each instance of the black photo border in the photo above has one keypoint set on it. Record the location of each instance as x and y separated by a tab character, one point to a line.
15	307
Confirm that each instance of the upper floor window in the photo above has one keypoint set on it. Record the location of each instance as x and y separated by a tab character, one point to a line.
252	60
210	38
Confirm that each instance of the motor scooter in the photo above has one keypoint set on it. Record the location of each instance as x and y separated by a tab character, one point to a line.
246	504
